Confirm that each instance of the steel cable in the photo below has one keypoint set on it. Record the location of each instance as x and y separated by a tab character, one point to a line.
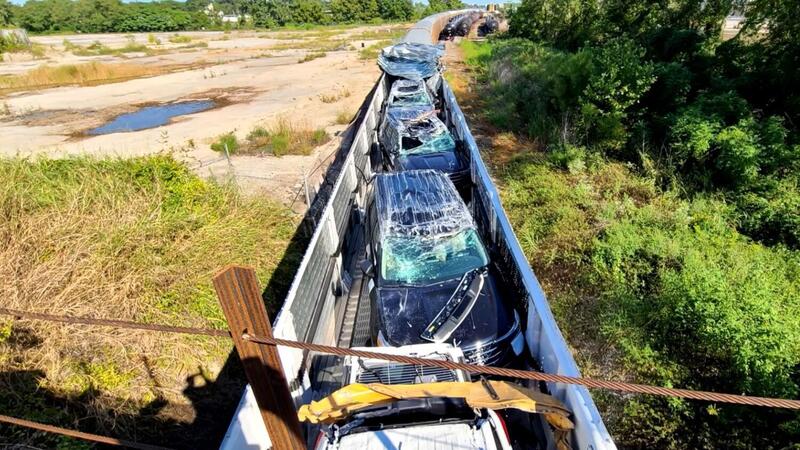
114	323
79	434
537	376
472	368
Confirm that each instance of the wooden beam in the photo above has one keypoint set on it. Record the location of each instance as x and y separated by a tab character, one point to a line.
240	297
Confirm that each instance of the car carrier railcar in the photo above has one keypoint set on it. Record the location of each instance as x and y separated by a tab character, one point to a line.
328	302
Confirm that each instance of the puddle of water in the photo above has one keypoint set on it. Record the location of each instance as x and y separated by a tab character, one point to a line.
150	117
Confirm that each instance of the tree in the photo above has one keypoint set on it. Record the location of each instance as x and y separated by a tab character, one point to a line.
563	24
309	11
346	11
396	9
5	13
435	6
95	16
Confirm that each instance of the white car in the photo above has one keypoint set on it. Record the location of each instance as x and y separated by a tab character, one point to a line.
417	423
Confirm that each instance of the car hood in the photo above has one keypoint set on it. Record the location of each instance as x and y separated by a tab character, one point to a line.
404	312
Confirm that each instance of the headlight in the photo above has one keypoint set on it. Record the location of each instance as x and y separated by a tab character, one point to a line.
381	341
518	344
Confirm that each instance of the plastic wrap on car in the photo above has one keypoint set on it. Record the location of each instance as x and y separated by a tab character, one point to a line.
417	124
411	60
406	93
420	203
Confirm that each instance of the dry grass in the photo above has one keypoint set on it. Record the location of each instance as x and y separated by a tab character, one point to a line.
89	73
344	116
311	57
180	39
135	239
315	45
336	96
97	49
391	33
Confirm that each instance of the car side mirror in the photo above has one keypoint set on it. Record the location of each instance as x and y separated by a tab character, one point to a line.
367	268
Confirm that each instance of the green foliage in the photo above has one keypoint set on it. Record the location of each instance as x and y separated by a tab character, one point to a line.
226	143
401	10
435	6
13	44
563	24
707	254
5	13
644	272
95	16
618	80
677	272
345	11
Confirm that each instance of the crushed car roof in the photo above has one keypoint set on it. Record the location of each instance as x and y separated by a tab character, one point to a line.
411	60
421	203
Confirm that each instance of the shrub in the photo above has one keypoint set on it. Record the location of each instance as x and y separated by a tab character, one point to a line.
226	143
343	117
677	272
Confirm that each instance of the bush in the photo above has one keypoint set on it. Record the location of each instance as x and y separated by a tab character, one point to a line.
226	143
677	272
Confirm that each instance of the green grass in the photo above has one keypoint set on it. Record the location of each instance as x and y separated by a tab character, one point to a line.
285	137
475	53
372	52
136	239
226	142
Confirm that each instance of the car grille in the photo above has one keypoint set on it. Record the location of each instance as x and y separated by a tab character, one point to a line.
404	374
493	354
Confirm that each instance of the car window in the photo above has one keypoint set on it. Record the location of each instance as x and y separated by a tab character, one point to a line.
416	260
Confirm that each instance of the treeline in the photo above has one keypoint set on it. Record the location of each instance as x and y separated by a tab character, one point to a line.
94	16
673	217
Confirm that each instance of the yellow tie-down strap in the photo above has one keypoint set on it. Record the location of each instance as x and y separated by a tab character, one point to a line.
488	394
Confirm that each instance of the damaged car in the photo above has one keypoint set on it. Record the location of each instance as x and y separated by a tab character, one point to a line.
430	277
412	137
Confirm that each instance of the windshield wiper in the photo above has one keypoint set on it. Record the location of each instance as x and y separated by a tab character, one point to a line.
457	307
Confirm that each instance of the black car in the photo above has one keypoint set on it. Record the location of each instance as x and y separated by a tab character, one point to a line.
412	137
430	276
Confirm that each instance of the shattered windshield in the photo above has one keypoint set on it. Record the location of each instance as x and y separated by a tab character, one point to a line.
415	260
416	131
422	141
409	93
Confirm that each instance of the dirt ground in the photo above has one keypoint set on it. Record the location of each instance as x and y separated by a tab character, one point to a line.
255	78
